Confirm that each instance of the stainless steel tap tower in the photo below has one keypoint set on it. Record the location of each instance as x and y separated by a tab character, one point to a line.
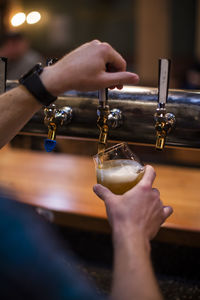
137	105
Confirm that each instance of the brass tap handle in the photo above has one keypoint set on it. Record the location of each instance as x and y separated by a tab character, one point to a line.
102	114
102	139
161	133
49	113
53	118
102	123
160	142
52	131
49	121
102	120
164	124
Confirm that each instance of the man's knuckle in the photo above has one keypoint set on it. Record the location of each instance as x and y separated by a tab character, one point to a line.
156	193
105	47
145	187
95	41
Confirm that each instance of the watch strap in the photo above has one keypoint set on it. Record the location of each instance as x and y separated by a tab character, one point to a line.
34	85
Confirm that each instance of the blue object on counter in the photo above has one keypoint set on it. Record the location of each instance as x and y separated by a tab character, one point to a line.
49	145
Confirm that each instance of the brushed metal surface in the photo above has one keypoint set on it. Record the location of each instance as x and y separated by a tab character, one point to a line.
138	105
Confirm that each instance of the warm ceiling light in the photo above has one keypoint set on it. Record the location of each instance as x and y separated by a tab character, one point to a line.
18	19
33	17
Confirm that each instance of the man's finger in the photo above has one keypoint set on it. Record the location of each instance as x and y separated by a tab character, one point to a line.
167	211
102	192
120	78
149	176
115	62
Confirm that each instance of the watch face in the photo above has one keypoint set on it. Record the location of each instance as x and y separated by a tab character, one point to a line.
37	68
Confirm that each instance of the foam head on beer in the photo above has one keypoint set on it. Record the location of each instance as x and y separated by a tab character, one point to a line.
119	175
118	168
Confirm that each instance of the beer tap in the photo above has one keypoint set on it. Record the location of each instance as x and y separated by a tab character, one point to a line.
55	117
164	121
102	121
106	118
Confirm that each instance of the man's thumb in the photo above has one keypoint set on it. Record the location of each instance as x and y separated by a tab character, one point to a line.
102	192
167	211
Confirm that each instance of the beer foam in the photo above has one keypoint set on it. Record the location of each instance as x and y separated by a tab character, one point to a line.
119	172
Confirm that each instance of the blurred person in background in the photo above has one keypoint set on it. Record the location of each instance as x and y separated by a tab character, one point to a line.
21	57
191	79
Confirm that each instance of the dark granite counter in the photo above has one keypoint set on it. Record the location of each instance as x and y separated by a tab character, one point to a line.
176	267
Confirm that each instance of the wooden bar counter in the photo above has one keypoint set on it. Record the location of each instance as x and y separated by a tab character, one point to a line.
61	184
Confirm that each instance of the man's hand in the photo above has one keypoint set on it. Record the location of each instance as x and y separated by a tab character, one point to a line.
90	67
135	218
139	210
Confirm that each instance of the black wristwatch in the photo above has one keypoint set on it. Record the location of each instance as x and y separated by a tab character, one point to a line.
32	82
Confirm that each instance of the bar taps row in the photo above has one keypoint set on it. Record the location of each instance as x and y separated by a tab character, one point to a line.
106	118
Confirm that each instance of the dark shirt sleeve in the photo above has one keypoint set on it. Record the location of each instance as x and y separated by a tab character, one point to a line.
33	262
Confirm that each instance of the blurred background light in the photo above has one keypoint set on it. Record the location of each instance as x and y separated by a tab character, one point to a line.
18	19
33	17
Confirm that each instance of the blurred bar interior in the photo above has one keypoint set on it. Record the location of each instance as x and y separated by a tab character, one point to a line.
60	183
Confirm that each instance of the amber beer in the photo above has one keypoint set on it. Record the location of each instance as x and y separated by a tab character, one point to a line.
119	175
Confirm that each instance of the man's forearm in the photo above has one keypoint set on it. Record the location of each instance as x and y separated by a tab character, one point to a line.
134	278
17	106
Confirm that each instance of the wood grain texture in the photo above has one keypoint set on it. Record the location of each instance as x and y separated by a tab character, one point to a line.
63	184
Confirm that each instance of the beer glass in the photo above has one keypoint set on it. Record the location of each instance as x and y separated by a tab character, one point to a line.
118	168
